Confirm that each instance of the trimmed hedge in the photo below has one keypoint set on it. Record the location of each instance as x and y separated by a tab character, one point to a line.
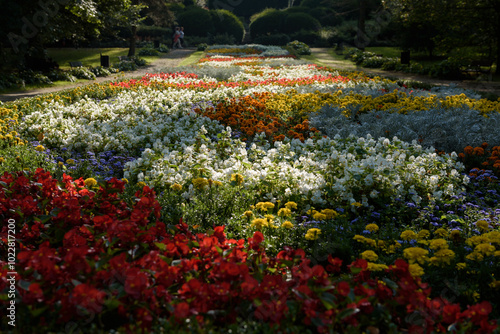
226	22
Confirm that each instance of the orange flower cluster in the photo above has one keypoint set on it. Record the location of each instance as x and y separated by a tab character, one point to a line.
482	157
250	115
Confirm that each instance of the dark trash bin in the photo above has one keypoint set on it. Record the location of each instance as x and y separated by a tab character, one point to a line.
405	57
104	61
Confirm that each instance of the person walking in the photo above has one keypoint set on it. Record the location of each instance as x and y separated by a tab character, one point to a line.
181	37
177	41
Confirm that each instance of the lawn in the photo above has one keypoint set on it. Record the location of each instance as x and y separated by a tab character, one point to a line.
88	56
251	193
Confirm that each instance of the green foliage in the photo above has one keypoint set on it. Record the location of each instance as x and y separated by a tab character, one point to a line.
148	52
144	31
201	47
196	21
300	48
271	22
23	158
226	22
300	21
83	73
274	39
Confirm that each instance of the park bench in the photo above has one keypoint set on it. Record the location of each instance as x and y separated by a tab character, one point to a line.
74	64
478	67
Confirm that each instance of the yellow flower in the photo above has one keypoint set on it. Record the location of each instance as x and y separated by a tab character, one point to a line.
313	233
416	270
438	244
319	216
485	249
461	265
495	284
370	242
443	256
497	253
441	232
475	256
200	183
376	267
423	234
356	204
125	180
70	162
287	224
259	223
372	227
90	182
2	160
482	225
141	184
416	254
329	213
269	217
40	148
238	178
248	214
291	205
264	206
176	187
284	212
408	235
60	164
359	238
369	255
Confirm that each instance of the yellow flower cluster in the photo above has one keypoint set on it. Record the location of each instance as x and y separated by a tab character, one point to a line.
313	233
264	206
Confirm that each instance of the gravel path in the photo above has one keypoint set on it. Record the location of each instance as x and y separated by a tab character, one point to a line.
171	59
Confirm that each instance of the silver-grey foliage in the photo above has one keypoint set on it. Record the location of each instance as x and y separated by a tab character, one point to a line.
447	130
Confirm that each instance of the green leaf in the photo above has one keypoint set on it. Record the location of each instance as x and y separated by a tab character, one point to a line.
328	300
347	312
161	246
24	284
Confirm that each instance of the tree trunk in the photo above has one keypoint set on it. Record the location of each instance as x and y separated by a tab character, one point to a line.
133	33
361	23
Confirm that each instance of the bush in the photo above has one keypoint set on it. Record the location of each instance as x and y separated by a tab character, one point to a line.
447	69
299	48
196	21
144	31
148	52
58	75
82	73
226	22
276	39
270	22
202	47
306	36
221	39
300	21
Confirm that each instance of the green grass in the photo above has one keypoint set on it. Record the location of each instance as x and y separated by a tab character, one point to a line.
192	59
89	56
386	51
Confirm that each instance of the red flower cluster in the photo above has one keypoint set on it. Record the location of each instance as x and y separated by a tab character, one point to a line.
90	256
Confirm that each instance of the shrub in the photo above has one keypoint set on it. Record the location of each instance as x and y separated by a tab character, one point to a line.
305	36
222	39
300	21
271	22
447	69
226	22
196	21
202	47
83	73
276	39
300	48
148	52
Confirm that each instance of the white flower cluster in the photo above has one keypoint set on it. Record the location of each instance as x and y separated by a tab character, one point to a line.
321	171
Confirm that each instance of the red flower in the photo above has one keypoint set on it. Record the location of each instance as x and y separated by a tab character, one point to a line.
181	310
88	297
136	282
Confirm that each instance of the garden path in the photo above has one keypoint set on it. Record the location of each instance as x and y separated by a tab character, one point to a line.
170	59
325	59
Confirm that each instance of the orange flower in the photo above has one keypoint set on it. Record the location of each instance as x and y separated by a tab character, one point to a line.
468	150
478	151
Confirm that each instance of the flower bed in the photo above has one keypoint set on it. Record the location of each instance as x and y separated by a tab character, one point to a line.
296	212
